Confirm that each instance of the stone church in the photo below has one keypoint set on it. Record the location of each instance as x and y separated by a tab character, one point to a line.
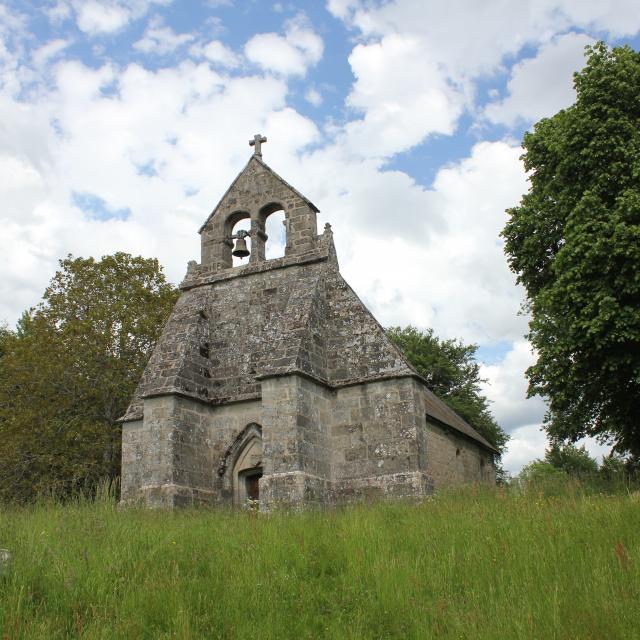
272	381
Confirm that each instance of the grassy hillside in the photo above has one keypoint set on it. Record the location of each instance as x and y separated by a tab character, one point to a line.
466	565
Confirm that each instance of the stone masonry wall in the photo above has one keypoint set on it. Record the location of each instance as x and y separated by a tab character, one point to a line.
375	443
454	460
296	445
174	455
320	446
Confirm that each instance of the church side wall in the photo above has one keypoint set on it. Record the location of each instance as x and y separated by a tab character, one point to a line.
455	460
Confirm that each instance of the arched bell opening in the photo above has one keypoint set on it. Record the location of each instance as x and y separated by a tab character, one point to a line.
272	224
237	236
276	230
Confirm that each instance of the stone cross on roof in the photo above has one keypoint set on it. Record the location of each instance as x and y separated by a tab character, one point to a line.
257	141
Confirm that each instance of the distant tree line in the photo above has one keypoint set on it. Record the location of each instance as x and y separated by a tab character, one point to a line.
563	465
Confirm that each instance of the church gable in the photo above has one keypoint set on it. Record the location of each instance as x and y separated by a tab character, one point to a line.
255	194
256	183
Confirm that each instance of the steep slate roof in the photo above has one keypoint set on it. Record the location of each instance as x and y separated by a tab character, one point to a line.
309	322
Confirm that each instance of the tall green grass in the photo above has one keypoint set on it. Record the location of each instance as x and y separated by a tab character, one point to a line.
471	564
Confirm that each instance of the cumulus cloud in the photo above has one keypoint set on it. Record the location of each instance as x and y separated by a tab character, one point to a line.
167	160
485	32
161	40
313	96
542	85
530	442
99	17
506	388
216	52
49	50
288	54
400	109
59	12
430	55
527	443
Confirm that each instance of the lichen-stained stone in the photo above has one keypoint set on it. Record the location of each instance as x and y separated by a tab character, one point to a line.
282	357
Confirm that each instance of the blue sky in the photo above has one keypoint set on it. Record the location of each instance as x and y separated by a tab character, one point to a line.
123	122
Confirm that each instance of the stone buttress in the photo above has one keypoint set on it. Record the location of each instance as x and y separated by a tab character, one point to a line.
272	381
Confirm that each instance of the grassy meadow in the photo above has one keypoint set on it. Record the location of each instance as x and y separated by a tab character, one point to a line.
471	564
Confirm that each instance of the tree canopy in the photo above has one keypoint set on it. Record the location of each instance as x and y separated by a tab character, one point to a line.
69	370
575	461
452	373
574	243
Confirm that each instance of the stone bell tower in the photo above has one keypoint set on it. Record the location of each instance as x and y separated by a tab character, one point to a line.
272	381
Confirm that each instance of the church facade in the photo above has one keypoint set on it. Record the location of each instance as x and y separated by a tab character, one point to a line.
272	381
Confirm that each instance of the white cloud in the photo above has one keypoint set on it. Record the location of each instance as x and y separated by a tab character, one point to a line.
161	40
216	52
98	17
59	12
506	388
527	443
168	160
291	54
342	8
400	109
470	37
49	50
542	85
95	17
313	96
530	442
423	59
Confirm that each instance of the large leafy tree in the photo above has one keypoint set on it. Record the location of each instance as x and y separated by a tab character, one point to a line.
453	374
69	370
574	243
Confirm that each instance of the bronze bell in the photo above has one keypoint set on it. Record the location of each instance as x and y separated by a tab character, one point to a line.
240	250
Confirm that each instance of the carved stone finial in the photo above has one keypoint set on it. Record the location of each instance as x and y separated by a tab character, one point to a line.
257	141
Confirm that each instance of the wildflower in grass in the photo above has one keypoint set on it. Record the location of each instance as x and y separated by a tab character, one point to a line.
623	556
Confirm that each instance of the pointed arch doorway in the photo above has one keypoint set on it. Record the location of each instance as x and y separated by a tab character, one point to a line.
247	469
